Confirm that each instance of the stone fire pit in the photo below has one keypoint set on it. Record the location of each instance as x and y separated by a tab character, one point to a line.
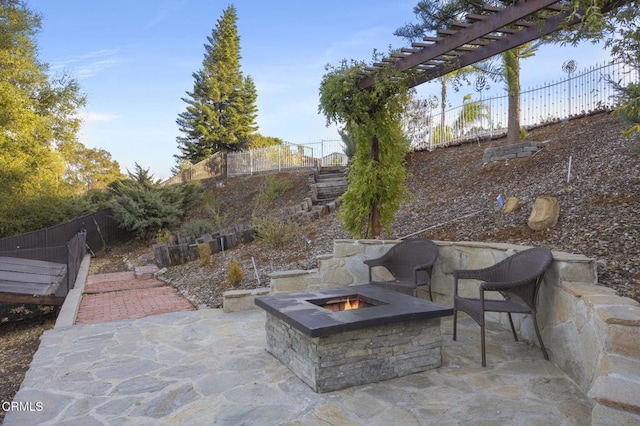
329	348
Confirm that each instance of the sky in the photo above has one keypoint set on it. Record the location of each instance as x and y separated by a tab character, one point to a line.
134	59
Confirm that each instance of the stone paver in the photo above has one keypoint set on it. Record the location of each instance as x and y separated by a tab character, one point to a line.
208	367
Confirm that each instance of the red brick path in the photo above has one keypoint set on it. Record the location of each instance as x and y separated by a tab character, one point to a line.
119	296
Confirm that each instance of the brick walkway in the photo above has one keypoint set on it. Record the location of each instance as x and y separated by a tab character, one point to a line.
127	295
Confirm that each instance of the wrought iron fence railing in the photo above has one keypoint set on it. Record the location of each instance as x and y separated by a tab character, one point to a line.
587	92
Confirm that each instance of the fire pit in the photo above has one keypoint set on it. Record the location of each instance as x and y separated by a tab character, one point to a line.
333	339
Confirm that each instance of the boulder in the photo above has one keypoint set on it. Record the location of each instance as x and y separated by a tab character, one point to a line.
510	205
544	214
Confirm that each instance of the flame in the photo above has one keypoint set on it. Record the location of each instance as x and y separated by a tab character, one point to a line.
348	305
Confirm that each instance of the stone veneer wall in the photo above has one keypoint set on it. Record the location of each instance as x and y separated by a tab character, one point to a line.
356	357
590	332
508	152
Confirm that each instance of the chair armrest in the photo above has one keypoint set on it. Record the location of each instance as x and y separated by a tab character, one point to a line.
374	262
471	274
474	274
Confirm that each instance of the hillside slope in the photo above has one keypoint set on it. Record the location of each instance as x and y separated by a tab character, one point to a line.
453	197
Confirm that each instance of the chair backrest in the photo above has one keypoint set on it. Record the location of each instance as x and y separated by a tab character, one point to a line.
524	265
406	255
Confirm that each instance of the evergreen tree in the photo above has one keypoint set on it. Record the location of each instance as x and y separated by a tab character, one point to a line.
221	109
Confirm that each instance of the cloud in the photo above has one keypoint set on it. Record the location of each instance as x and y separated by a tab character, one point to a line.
88	64
98	117
166	10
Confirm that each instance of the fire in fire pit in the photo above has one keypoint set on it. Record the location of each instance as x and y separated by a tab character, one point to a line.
346	303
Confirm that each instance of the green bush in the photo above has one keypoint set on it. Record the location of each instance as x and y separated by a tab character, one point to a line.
204	250
273	188
629	108
234	273
143	206
196	228
275	233
213	209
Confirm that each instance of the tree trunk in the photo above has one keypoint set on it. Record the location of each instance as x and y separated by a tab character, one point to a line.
375	229
443	107
512	63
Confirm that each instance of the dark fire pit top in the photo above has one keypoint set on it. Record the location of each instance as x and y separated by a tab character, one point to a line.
303	310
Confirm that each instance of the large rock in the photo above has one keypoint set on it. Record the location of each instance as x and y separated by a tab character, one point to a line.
544	214
510	205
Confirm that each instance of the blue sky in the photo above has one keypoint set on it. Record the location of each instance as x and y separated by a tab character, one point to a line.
135	58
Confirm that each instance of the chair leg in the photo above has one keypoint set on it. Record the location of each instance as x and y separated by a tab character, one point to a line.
455	322
513	329
544	350
482	345
430	295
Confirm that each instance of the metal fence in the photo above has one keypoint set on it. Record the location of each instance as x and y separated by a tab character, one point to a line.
271	158
69	253
588	91
102	230
67	243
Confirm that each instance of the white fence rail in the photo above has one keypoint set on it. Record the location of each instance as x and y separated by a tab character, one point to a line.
272	158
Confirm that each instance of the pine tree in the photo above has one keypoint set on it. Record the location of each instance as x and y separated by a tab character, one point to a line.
221	109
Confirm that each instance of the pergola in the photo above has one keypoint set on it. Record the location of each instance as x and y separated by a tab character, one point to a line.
483	35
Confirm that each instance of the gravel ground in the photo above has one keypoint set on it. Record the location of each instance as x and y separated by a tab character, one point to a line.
453	197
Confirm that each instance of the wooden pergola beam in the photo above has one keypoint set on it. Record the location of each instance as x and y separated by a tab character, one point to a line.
467	35
513	40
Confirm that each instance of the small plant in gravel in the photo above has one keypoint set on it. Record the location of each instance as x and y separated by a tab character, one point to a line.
163	236
275	233
204	250
213	209
235	274
272	189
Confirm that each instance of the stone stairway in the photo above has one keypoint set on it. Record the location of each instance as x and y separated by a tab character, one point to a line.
327	184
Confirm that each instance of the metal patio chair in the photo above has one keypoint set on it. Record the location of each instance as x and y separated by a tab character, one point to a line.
517	278
410	262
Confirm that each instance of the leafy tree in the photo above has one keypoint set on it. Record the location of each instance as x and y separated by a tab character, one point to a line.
472	112
434	14
258	141
373	117
88	169
141	205
617	24
38	114
221	110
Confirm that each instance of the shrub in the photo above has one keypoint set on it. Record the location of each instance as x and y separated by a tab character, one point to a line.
163	236
234	273
213	209
196	228
273	188
142	206
629	108
275	233
204	250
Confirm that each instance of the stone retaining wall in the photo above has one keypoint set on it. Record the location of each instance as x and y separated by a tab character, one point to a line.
508	152
590	332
